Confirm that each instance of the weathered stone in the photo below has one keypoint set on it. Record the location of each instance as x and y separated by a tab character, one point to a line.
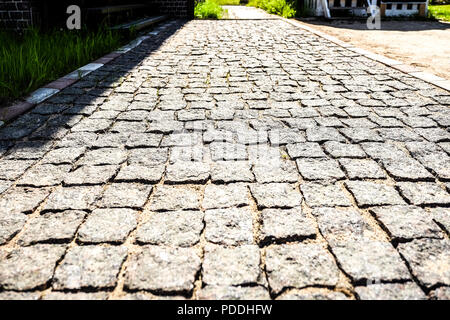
108	225
143	140
278	226
92	125
276	171
125	195
399	134
181	139
13	169
373	194
91	175
188	154
442	293
321	194
168	198
305	150
406	169
428	260
75	296
89	267
163	269
29	268
72	198
28	150
63	155
262	153
111	140
10	225
338	225
362	169
165	126
312	294
370	261
229	226
103	156
431	157
279	137
383	151
231	266
44	175
321	134
187	172
148	156
391	291
178	228
231	171
14	295
442	217
248	137
143	295
77	140
22	200
233	293
340	150
407	222
4	185
424	193
276	195
319	169
52	227
225	196
138	173
300	265
228	151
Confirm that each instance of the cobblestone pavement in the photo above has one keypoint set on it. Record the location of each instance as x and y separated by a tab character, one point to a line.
230	159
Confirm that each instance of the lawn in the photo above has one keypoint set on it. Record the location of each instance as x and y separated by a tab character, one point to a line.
35	58
441	12
208	9
229	2
284	8
212	9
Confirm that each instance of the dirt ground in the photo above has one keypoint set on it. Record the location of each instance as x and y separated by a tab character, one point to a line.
423	44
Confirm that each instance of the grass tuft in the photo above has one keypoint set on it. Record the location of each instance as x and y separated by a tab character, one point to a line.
441	12
208	9
35	58
284	8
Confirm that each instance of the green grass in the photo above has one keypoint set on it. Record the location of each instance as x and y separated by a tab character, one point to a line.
209	9
284	8
36	58
228	2
441	12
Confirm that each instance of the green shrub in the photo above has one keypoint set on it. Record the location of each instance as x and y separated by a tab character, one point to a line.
439	12
209	9
284	8
35	58
229	2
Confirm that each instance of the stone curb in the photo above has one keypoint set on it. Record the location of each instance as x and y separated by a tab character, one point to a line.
398	65
49	90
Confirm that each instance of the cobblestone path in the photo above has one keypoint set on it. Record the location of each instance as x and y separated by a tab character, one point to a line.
230	159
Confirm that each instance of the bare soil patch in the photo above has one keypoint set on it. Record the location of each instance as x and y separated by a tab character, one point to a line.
422	44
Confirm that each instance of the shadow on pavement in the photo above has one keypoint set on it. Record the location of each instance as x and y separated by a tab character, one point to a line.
51	120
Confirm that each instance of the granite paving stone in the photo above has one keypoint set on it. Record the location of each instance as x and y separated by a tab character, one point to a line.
172	228
107	225
300	265
89	267
229	159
